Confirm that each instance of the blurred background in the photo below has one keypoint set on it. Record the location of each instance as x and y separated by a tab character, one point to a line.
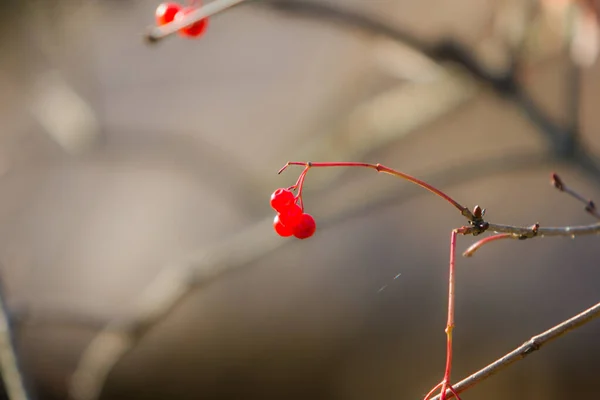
138	260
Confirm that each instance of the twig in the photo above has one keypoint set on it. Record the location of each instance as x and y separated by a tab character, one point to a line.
477	245
519	232
386	170
12	375
530	346
476	217
590	206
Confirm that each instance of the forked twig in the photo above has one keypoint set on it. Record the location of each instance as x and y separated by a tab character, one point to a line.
477	226
590	206
535	230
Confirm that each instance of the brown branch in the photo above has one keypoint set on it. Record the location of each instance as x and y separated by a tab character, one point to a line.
530	346
519	232
590	206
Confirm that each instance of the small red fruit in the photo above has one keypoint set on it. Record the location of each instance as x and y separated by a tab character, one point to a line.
281	199
306	227
291	216
165	13
194	30
281	229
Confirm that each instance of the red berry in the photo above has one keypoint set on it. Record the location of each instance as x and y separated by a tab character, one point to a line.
291	216
165	13
282	199
306	228
281	229
194	30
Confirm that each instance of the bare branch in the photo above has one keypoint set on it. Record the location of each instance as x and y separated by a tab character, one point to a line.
530	346
519	232
442	51
590	206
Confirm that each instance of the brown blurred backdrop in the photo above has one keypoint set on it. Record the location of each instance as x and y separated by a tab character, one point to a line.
121	162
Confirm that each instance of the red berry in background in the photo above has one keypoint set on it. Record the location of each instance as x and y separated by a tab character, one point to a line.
281	229
282	199
306	228
165	13
194	30
291	216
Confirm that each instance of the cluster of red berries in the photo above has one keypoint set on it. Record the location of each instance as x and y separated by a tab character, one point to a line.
169	12
291	218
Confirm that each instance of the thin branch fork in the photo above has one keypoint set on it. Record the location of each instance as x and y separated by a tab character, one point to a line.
477	226
590	206
530	346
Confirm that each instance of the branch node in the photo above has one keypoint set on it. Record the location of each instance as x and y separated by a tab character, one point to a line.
476	220
557	182
590	207
532	233
531	346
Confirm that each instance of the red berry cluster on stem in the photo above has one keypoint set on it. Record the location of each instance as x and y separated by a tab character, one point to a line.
169	12
291	218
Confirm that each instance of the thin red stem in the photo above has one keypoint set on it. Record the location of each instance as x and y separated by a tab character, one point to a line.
477	245
381	168
445	384
298	186
432	391
299	180
450	323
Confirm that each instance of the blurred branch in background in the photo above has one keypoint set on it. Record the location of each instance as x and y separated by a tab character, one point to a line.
506	84
13	377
